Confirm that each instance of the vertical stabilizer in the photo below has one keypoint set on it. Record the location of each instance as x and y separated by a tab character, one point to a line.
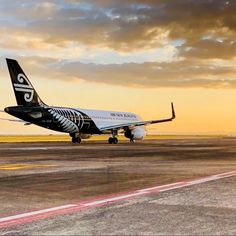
23	89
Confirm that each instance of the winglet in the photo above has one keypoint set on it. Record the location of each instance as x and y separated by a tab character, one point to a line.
173	111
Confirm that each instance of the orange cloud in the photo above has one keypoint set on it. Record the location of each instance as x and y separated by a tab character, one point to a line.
206	31
180	74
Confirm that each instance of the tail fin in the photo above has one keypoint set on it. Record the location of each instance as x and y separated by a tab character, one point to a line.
24	91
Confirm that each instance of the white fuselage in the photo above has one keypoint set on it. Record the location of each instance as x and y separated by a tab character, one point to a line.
108	118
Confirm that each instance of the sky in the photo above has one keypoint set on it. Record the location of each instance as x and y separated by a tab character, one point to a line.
131	55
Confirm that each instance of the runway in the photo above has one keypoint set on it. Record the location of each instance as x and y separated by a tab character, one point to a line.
48	184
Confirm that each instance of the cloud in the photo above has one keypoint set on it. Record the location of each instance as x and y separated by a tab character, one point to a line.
209	48
178	74
125	25
149	75
52	29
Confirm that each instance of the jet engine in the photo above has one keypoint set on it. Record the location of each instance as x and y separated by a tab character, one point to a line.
137	133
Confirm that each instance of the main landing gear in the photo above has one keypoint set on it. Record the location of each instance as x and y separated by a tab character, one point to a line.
75	138
112	140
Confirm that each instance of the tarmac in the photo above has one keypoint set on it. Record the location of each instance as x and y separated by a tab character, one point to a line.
165	187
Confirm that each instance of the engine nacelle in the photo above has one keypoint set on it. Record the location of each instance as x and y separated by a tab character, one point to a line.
137	133
84	136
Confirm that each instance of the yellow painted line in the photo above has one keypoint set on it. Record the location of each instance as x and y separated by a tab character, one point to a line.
62	138
22	166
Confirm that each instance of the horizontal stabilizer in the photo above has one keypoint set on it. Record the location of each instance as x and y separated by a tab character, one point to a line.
15	120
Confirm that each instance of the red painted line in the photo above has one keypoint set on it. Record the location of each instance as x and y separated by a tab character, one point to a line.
24	220
101	201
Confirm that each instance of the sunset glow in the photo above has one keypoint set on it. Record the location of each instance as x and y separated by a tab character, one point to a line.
134	55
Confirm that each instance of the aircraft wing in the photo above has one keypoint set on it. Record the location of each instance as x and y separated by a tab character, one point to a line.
140	123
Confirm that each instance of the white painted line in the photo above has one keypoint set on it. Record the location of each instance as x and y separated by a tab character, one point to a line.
171	188
199	181
35	213
226	174
113	199
159	187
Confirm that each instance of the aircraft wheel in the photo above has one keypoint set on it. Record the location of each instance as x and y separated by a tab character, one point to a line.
76	140
132	139
115	140
110	140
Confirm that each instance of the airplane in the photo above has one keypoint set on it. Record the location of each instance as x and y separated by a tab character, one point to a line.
78	123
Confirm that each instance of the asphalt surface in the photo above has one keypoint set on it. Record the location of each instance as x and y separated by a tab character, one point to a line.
36	176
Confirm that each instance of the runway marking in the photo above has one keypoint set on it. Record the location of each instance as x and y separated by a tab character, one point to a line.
22	166
101	201
35	213
160	187
113	199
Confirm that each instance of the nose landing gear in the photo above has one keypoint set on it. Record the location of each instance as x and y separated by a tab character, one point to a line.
132	138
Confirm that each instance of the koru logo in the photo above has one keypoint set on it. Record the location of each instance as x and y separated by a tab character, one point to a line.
27	89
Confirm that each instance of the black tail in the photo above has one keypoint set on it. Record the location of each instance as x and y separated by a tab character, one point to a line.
24	91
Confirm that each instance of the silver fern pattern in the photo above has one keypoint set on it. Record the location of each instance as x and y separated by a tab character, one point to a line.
70	120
